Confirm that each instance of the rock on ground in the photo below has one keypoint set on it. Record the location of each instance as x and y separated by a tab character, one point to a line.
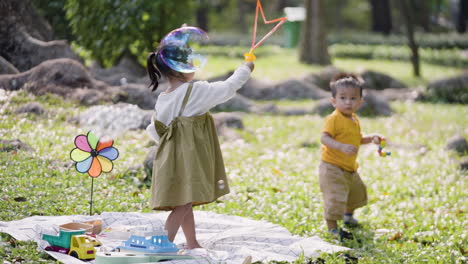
126	71
323	78
464	164
457	143
451	90
31	107
56	76
6	67
137	94
115	119
14	145
379	81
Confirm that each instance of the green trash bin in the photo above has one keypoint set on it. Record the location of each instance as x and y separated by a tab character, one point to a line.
292	31
292	27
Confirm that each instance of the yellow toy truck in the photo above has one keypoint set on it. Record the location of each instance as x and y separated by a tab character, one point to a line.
81	247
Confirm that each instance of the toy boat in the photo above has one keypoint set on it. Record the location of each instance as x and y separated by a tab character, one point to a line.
153	244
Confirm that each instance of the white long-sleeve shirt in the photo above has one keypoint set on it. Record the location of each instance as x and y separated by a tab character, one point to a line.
203	97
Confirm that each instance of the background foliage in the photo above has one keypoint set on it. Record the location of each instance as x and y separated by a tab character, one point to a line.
111	28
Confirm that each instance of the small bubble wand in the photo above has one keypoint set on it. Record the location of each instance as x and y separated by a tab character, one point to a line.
382	145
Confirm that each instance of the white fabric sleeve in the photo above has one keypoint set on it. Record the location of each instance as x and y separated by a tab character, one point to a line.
206	95
151	130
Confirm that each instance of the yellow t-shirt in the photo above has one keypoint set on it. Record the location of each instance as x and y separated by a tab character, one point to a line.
344	130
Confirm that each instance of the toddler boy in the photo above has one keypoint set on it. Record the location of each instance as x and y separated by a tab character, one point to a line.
342	188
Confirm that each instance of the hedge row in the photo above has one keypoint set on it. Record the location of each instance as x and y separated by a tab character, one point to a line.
424	40
449	57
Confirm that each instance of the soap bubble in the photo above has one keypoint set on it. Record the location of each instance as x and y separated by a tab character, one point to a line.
180	49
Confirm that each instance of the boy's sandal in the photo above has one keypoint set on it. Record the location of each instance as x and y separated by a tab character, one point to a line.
352	223
341	234
345	235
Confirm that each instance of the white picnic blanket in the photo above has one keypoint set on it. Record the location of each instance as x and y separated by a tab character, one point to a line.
228	239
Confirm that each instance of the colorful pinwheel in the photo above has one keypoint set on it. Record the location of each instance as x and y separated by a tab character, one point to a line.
93	155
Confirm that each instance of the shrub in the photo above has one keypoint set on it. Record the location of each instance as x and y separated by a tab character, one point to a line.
449	57
424	40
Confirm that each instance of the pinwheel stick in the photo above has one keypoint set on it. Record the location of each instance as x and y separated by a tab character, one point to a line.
91	201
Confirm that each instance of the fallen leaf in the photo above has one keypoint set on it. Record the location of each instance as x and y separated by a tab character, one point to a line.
396	236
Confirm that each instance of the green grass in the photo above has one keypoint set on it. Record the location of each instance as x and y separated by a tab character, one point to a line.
418	198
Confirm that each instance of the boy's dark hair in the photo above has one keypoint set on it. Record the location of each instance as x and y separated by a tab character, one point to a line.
345	79
157	69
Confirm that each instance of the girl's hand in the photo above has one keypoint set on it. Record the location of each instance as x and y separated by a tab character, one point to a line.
349	150
251	65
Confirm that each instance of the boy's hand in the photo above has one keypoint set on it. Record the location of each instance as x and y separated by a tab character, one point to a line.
377	139
251	65
349	150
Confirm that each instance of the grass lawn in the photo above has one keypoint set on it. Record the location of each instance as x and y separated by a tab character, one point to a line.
418	199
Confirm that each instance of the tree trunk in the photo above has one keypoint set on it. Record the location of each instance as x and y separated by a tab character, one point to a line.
462	16
314	47
409	23
22	12
202	15
381	16
241	7
21	39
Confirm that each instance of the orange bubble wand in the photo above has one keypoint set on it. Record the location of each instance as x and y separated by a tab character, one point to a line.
250	56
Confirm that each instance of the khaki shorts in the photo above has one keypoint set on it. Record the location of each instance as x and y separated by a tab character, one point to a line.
340	189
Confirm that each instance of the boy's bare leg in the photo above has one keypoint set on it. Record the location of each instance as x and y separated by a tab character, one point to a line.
331	224
188	226
175	219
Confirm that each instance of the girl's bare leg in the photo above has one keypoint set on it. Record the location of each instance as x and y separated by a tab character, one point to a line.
188	226
175	219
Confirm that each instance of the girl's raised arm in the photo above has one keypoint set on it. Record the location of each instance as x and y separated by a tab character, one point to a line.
207	95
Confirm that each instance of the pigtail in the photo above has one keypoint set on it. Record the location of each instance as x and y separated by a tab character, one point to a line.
153	72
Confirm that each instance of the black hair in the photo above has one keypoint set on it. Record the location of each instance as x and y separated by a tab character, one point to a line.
157	69
345	79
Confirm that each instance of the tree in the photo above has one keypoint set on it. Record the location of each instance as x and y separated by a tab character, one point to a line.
381	16
407	12
26	37
313	47
421	18
201	13
462	16
242	10
53	11
111	29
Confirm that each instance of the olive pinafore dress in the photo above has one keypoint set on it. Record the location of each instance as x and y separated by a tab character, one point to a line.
188	165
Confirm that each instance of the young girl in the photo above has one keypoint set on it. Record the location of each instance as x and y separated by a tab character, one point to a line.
188	168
